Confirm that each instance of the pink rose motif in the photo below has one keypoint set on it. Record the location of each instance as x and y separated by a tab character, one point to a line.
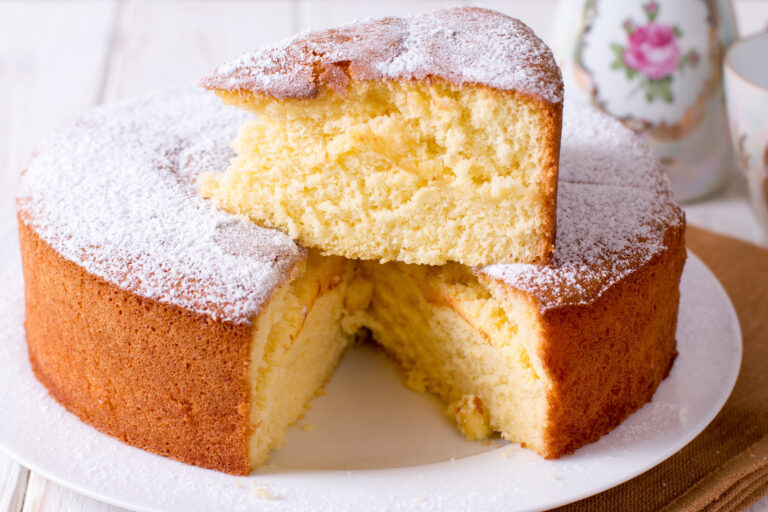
653	50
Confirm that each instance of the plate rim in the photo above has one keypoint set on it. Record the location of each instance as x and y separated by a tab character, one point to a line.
687	437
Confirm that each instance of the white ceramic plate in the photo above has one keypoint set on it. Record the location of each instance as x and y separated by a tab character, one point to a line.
370	443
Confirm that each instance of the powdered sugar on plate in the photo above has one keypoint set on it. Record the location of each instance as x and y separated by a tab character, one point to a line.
115	193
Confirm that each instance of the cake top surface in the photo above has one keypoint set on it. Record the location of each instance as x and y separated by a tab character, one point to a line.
463	45
614	211
598	149
115	193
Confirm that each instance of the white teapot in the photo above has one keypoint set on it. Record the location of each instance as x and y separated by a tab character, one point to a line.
657	66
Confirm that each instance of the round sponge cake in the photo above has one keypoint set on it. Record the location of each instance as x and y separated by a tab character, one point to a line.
189	332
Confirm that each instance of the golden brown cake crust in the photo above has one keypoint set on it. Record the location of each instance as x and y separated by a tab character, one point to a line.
139	294
153	375
441	44
606	359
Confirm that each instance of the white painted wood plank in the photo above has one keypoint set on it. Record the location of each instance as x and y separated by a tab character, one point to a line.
51	60
46	496
166	43
314	14
13	484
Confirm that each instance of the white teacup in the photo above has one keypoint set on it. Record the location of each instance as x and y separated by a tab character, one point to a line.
746	95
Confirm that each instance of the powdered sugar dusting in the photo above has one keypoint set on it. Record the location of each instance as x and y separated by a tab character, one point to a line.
115	193
461	45
613	212
598	149
604	233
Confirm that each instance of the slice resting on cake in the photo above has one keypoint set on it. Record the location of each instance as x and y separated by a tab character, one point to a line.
189	332
424	139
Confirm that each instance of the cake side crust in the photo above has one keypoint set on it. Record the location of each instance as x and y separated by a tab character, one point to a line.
626	338
152	375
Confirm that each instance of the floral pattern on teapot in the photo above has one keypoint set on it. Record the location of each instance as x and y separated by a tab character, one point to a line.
651	55
653	64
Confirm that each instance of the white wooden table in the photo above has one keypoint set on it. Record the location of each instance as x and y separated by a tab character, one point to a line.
59	58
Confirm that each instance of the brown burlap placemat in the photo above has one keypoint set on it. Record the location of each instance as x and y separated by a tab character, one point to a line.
726	467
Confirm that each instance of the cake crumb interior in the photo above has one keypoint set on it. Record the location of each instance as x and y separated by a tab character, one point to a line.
297	343
452	338
420	172
440	324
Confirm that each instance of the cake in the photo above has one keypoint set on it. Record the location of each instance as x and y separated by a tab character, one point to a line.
423	139
195	334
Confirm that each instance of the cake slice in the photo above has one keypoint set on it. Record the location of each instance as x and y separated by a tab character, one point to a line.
424	139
